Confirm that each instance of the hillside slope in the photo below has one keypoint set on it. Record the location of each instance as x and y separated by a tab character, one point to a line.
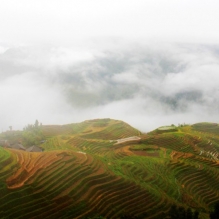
107	168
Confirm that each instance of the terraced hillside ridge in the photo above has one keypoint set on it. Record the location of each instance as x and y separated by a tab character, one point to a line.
106	168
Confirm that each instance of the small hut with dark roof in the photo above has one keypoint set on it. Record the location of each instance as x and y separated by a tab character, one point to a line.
18	147
4	143
34	149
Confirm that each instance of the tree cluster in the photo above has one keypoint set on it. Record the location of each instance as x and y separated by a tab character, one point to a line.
31	127
182	213
32	134
215	213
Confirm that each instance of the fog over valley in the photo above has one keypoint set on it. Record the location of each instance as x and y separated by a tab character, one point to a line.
146	85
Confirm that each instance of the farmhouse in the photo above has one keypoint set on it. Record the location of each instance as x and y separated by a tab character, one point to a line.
34	149
18	147
4	143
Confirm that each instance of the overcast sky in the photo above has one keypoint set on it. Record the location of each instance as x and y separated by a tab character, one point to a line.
146	62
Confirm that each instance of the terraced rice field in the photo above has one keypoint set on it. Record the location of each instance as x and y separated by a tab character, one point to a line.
107	168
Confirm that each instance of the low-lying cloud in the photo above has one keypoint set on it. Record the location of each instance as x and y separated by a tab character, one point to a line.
142	84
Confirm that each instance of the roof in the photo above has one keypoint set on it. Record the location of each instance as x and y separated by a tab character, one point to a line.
18	146
34	149
4	143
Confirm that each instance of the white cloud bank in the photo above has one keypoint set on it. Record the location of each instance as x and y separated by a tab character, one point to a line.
145	85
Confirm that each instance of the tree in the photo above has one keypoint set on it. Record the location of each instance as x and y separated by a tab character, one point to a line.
36	124
189	214
181	213
215	213
196	215
173	213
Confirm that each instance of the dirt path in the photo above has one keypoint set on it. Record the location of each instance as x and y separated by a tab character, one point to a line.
122	140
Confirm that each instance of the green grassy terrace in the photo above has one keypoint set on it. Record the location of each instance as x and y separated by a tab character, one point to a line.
84	172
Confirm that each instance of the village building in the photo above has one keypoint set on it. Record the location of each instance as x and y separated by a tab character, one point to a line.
18	147
4	143
34	149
